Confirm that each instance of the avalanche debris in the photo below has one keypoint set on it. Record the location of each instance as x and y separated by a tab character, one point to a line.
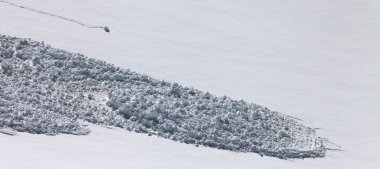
44	90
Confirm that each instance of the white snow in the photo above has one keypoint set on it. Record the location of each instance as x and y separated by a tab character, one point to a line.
118	149
314	60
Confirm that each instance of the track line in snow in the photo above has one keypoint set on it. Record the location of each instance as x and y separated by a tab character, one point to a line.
105	28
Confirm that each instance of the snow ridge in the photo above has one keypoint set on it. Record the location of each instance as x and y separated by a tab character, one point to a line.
44	90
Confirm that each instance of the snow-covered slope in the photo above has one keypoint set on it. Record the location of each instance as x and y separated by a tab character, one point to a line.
107	148
315	60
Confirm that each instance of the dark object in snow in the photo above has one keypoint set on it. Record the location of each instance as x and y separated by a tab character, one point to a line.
106	29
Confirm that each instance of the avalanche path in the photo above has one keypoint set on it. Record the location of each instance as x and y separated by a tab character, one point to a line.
44	90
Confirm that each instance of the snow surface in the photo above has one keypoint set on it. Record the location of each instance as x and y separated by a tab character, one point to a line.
315	60
115	148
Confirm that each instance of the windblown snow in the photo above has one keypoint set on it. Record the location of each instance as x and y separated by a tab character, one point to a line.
44	90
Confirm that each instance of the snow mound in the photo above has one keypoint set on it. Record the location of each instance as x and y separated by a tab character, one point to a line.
44	90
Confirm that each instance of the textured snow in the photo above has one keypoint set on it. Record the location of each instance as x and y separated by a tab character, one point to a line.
56	88
314	60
